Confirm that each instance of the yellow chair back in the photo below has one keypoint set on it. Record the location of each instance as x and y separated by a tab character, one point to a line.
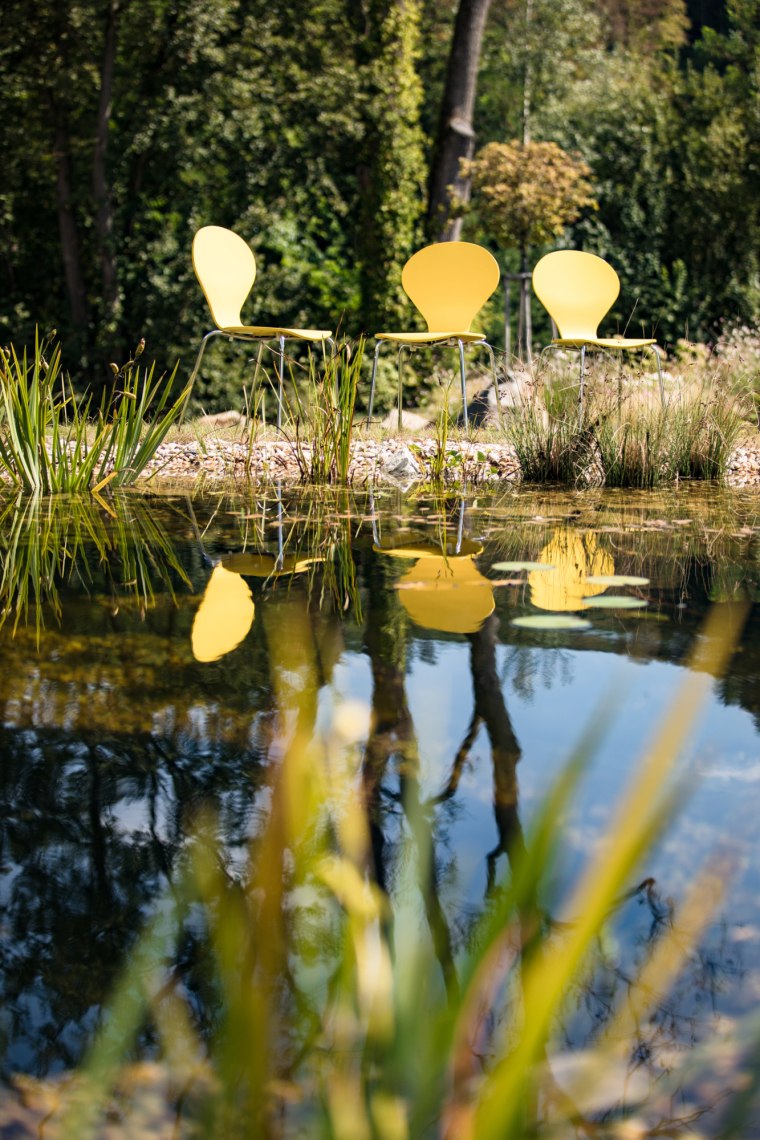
577	289
446	594
224	616
449	283
226	270
575	557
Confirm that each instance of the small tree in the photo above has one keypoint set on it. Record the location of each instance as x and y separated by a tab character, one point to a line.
526	194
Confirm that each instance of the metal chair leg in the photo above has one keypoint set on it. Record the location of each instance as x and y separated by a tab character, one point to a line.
375	527
464	383
460	527
656	352
194	373
580	393
372	382
281	382
499	417
400	385
251	405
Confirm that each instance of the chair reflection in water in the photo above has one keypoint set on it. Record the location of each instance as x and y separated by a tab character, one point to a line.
443	590
571	557
226	612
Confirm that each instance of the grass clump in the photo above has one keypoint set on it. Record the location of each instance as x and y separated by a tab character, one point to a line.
628	437
323	415
50	442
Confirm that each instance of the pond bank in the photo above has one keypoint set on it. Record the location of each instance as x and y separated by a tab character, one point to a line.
399	461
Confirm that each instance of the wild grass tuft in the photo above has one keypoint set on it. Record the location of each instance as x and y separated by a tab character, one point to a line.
628	438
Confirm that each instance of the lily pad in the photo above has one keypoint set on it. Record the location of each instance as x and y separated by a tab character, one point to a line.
551	621
615	602
510	567
616	580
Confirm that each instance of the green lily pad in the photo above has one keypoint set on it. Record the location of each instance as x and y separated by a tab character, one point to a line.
615	602
511	566
551	621
616	580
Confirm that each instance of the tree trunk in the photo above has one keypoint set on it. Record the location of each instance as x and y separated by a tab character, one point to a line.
456	138
100	187
72	262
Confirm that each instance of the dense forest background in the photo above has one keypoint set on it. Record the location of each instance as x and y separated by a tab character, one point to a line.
321	130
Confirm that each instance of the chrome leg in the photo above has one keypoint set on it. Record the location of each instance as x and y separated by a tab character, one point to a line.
280	544
495	383
464	383
400	383
375	527
580	392
333	353
656	352
372	382
257	369
460	528
194	373
281	382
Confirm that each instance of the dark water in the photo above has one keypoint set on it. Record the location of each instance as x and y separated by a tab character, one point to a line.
140	683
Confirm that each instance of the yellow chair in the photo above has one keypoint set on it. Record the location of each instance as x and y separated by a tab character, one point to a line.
578	289
224	616
449	283
443	590
575	557
226	269
446	592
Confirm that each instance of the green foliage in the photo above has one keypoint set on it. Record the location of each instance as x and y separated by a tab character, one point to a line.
394	174
528	192
307	127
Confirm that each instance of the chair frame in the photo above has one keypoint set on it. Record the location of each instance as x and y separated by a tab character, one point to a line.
606	290
264	337
450	342
561	345
262	342
448	312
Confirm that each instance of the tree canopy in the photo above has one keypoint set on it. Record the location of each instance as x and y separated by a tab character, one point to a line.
312	128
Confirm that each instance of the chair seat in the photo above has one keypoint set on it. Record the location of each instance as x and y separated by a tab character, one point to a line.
430	337
605	342
264	332
421	549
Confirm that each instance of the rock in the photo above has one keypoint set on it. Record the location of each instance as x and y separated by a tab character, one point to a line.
222	420
517	389
399	464
410	421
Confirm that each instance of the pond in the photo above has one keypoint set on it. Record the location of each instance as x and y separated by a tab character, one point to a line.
160	654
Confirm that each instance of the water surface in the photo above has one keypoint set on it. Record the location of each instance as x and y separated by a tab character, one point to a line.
149	655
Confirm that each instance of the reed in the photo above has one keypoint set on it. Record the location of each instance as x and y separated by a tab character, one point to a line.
323	415
45	542
50	442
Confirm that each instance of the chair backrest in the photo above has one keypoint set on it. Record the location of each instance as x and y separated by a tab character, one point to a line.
226	269
577	289
449	283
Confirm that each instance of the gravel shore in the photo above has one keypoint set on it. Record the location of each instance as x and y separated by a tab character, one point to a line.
399	461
